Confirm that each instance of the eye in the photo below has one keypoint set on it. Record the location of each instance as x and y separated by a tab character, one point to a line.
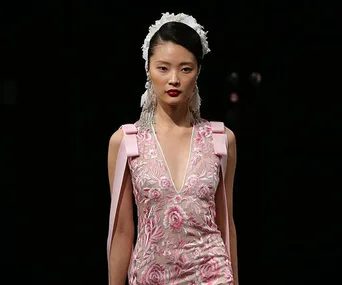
187	69
162	68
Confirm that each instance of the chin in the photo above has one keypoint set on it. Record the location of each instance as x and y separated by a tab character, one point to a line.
174	101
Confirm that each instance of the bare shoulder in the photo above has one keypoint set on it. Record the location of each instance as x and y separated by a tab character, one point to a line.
231	136
115	139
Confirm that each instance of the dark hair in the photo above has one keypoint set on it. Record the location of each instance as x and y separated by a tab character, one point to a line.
180	34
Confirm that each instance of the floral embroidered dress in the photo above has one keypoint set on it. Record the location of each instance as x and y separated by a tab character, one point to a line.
178	240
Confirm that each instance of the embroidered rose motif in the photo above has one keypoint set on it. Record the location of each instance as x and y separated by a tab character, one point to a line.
155	275
155	194
209	270
192	181
175	218
204	191
177	199
165	183
196	253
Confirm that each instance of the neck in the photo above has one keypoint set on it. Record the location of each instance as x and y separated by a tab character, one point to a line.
172	116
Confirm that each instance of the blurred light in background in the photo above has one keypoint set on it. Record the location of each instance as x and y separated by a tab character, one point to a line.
255	78
234	97
233	78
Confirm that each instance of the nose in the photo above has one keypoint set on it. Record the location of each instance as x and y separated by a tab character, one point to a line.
174	79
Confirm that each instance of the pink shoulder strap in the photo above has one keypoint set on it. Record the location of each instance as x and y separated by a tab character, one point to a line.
128	148
220	141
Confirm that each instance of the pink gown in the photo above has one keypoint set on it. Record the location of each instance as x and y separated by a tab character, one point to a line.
178	240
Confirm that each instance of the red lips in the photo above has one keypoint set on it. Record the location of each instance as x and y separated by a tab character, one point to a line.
173	92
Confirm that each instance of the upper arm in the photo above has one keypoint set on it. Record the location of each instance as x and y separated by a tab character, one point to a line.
124	216
230	171
228	185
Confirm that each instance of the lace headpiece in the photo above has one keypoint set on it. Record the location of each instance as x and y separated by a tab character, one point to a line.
148	98
181	18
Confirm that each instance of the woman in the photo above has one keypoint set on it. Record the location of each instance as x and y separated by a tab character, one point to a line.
175	180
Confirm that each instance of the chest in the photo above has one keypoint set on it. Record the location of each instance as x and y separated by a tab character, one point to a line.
176	150
182	160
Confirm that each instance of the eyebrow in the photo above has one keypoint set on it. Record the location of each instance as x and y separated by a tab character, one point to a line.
182	63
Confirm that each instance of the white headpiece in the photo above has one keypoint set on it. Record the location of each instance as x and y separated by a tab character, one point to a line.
181	18
146	102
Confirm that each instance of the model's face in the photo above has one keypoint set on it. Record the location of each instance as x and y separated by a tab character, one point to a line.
172	67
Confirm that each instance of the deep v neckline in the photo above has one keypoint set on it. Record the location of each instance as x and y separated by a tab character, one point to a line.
166	163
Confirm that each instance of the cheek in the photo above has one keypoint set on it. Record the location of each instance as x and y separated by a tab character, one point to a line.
157	79
191	83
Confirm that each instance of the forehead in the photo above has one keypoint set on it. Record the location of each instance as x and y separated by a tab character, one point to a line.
172	53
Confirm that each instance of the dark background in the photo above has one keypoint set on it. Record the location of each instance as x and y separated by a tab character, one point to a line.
73	73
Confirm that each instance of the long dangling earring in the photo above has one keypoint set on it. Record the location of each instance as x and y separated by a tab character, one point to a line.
194	106
149	105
